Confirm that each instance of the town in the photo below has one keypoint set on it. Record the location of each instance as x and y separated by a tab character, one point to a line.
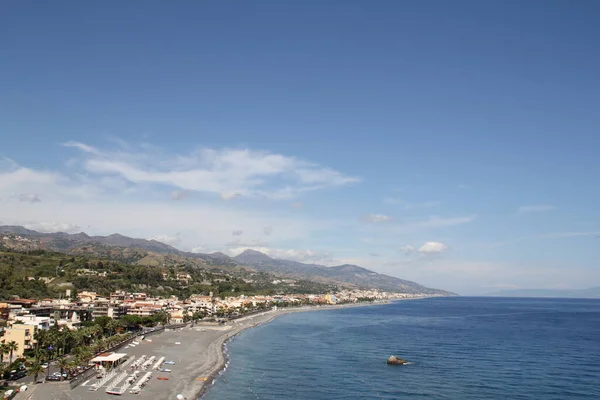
122	313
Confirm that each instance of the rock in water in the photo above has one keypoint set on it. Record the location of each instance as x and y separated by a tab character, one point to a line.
393	360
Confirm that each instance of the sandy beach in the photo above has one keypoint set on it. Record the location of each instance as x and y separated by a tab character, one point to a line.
197	353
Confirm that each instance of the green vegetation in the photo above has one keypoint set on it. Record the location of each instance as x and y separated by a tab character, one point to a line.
41	274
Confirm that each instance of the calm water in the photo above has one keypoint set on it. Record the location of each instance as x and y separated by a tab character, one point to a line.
461	348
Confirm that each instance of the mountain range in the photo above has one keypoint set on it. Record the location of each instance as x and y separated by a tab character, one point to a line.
347	275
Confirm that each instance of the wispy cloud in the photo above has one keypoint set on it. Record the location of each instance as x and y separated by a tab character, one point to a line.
407	249
408	205
29	198
229	196
267	230
429	248
52	227
229	173
535	208
377	218
300	255
237	232
558	235
178	195
171	240
433	248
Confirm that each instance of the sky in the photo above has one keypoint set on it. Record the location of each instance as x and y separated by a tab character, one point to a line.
450	143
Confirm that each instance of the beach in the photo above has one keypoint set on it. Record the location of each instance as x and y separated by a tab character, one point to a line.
197	352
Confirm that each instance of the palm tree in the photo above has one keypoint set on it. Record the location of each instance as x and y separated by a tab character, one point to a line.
12	346
83	354
36	369
63	364
3	350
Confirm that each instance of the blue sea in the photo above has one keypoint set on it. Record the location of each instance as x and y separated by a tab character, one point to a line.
460	348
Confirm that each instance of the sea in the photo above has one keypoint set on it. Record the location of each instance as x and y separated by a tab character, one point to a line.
458	347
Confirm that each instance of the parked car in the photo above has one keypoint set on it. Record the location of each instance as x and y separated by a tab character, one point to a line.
18	375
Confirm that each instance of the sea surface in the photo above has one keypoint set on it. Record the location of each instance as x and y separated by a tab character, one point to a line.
460	348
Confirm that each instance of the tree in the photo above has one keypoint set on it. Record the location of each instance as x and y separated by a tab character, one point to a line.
63	364
112	326
102	322
36	369
3	351
12	346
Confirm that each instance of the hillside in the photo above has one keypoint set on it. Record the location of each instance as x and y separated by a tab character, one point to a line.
153	253
348	274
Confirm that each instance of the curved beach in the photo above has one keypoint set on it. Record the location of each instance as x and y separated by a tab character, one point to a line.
197	353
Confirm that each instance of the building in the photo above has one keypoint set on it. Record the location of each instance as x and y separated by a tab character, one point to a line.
39	322
144	309
23	335
87	297
104	308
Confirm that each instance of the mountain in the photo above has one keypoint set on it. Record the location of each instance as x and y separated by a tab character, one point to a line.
152	252
61	241
348	274
591	293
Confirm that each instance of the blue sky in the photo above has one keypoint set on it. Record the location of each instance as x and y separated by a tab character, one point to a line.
451	143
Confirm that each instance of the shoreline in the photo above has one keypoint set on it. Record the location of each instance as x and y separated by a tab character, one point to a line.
224	357
197	355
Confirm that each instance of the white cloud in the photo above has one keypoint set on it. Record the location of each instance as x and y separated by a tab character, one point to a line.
229	196
228	173
535	208
198	249
178	195
407	249
378	218
198	224
29	198
239	243
299	255
171	240
433	248
428	248
237	232
52	227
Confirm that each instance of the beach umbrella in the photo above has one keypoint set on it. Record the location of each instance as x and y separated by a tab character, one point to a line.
180	397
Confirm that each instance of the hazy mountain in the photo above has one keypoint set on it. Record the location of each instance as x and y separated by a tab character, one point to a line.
591	293
61	241
127	248
349	274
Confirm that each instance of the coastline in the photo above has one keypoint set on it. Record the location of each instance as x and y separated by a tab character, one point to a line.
197	354
223	356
